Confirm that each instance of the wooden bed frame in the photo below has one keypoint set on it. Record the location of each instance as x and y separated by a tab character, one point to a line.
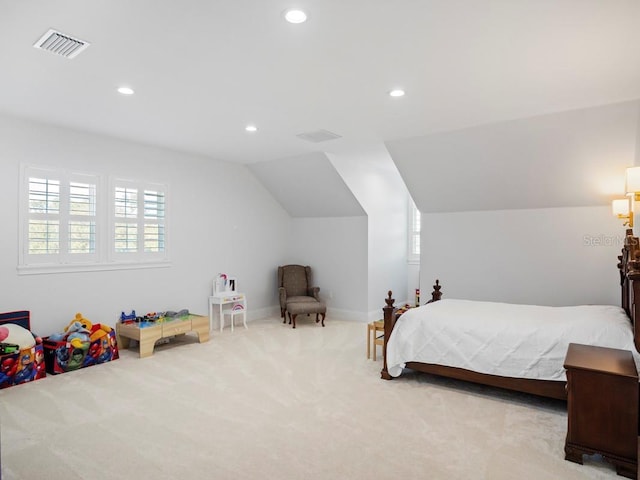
629	266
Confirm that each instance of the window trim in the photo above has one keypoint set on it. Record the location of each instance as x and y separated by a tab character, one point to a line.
104	258
412	257
139	256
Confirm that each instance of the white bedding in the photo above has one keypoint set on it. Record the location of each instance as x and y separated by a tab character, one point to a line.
523	341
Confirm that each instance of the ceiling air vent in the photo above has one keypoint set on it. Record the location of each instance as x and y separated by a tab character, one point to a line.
318	136
61	44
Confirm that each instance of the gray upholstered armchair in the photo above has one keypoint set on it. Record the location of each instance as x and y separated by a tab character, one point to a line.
294	285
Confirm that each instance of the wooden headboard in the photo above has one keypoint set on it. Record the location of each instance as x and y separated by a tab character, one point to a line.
629	265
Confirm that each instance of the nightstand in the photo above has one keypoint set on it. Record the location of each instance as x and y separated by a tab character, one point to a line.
602	406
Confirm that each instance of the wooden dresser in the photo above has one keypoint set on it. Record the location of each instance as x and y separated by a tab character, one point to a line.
602	406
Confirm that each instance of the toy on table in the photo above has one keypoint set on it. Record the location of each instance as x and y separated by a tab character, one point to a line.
127	319
152	318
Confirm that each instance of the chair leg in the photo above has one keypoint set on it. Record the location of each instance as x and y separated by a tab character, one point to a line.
369	341
294	319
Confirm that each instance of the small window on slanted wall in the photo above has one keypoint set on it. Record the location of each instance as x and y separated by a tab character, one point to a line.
413	235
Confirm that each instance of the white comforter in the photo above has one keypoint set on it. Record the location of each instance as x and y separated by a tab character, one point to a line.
524	341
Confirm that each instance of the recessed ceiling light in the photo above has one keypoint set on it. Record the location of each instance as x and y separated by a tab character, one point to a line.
295	16
251	128
397	93
125	90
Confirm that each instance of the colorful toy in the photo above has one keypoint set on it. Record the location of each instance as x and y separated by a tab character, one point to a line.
130	318
77	334
17	335
8	348
26	370
95	331
8	369
39	364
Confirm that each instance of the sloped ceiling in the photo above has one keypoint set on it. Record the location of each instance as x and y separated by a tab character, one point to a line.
308	186
574	158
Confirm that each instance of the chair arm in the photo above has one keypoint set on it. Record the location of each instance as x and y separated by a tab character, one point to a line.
283	296
313	292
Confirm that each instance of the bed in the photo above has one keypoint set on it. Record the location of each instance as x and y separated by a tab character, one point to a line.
518	347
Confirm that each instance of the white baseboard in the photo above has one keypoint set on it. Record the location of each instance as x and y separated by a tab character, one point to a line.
337	313
267	312
348	315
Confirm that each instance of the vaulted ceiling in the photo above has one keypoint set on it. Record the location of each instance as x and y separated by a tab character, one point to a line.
204	70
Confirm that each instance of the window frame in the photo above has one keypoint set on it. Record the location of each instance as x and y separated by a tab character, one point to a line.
140	255
103	257
414	220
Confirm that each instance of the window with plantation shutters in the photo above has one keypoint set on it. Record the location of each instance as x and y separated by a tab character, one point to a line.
74	221
153	221
44	216
138	220
82	218
413	235
60	226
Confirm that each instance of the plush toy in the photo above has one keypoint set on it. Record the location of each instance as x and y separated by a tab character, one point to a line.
12	333
96	331
77	335
79	319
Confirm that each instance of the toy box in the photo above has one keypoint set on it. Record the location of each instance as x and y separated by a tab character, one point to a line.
23	365
62	356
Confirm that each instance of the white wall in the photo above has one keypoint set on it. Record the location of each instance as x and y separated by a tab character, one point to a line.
553	256
336	249
375	181
221	220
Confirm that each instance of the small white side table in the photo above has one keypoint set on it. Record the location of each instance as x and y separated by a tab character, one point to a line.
226	298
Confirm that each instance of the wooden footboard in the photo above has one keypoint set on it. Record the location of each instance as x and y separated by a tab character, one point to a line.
390	318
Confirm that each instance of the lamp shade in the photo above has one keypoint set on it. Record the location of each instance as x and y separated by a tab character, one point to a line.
620	207
633	180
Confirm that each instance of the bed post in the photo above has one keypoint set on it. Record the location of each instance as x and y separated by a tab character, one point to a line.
631	267
436	294
389	321
623	266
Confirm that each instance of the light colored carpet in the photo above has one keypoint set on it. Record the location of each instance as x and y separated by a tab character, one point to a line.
276	403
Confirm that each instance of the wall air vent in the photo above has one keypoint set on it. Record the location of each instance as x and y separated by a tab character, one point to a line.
318	136
61	44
